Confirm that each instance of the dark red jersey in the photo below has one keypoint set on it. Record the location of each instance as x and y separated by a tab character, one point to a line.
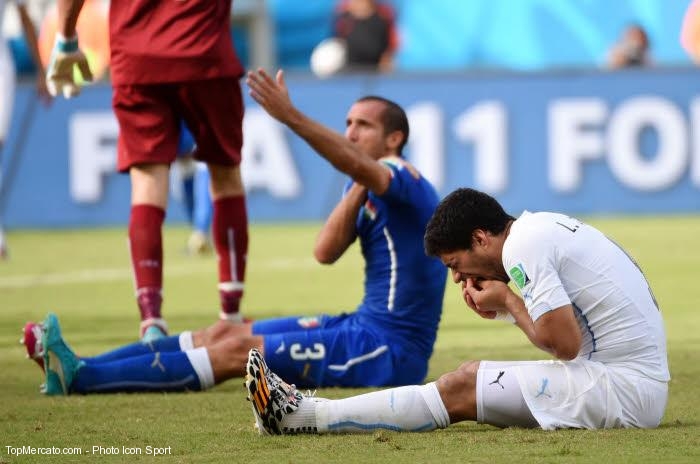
159	41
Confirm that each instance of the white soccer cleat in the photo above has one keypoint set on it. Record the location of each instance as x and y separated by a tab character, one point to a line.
271	397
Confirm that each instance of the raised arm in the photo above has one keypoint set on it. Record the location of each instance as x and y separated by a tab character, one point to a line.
33	44
68	12
272	95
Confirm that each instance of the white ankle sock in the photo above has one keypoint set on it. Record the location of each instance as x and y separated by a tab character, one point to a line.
303	420
411	409
199	359
186	341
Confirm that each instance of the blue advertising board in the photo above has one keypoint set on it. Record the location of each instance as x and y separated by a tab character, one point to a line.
576	142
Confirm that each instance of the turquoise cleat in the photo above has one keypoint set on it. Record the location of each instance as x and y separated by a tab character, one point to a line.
152	333
60	362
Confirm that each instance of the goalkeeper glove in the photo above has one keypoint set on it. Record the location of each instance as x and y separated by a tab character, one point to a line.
59	73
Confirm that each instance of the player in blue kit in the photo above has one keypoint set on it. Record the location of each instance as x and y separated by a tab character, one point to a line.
194	177
388	340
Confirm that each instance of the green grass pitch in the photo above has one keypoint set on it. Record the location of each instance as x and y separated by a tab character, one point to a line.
84	276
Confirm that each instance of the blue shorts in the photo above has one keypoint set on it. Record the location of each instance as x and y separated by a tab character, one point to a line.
330	351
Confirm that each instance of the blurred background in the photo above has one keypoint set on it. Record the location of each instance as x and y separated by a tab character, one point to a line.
581	106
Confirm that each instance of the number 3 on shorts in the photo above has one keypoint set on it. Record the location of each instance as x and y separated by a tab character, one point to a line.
298	354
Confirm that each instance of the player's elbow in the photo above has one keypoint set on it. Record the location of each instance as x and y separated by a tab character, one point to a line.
558	333
324	256
565	355
567	348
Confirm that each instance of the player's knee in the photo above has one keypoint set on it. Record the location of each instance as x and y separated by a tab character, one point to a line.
458	391
458	381
149	184
466	374
225	181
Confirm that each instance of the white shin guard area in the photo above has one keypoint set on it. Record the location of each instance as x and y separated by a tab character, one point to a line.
409	409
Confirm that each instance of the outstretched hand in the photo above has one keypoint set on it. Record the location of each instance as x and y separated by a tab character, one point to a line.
270	93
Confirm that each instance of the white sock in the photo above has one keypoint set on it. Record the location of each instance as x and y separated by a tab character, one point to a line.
186	341
303	420
199	359
410	409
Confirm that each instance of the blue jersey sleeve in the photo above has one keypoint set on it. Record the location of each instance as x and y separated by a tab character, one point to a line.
405	182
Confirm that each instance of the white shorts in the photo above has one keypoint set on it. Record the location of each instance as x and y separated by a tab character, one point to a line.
567	394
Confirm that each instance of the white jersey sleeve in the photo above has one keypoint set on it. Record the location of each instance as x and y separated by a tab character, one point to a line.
530	259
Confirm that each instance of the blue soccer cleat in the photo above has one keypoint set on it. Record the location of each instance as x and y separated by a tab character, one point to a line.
60	362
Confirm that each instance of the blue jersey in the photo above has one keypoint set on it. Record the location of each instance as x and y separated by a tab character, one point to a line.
404	288
388	340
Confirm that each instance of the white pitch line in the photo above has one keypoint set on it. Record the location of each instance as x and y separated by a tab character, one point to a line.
111	275
81	276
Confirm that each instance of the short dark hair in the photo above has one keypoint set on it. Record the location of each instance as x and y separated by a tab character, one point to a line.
456	218
393	117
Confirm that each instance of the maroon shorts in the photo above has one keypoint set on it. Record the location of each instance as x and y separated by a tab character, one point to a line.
149	118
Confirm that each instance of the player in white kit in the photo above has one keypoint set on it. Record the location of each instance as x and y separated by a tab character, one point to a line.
7	91
584	301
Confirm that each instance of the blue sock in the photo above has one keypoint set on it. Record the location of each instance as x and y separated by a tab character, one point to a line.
154	372
185	147
136	349
188	197
203	209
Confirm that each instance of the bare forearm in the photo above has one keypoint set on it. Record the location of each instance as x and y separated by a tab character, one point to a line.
31	36
272	95
338	232
556	331
337	150
68	11
516	308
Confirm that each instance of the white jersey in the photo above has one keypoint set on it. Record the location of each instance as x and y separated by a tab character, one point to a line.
7	76
556	260
3	3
